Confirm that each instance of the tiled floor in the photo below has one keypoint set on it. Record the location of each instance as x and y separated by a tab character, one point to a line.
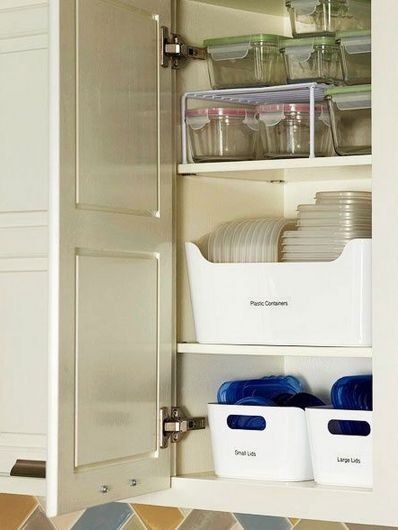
27	513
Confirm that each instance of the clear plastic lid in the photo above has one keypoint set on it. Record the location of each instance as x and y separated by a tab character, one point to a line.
221	111
258	37
308	41
273	114
357	97
231	48
198	118
355	42
288	107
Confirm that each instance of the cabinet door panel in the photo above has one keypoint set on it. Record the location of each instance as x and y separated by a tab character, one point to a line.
117	107
111	273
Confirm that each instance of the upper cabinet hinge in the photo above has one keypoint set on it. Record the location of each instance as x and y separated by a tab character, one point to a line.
174	52
173	425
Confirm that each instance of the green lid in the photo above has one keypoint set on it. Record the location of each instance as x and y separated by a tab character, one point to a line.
308	41
259	37
357	89
347	34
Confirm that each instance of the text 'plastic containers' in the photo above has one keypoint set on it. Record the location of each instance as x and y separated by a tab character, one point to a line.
312	59
311	17
351	117
355	49
285	130
222	134
244	61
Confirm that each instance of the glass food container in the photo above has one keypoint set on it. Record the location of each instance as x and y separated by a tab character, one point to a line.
312	17
351	119
285	130
355	50
312	59
222	134
248	60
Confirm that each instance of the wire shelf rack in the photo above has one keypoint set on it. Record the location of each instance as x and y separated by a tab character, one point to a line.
299	93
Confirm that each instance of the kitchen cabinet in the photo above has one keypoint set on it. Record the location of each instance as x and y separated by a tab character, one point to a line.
97	338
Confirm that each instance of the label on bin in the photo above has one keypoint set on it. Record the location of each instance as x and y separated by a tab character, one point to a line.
239	452
269	303
348	460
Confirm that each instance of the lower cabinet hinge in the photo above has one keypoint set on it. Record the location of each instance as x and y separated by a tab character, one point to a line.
173	425
175	52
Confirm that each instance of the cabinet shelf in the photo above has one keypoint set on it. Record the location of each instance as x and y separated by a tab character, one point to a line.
275	170
293	351
306	500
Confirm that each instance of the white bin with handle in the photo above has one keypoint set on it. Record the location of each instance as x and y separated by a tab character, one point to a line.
279	451
340	459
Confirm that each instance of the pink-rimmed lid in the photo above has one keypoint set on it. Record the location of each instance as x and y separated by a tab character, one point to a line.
289	107
220	111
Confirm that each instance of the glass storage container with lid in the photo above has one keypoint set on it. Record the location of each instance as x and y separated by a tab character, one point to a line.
244	61
311	17
222	134
355	50
351	119
312	59
285	130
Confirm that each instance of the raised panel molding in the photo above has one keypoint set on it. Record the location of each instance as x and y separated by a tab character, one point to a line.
25	19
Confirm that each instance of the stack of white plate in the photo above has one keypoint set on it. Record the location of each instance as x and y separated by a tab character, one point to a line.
246	241
324	228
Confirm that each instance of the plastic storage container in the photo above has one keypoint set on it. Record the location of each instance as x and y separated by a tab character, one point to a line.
276	446
355	50
312	59
248	60
296	304
351	119
285	130
341	459
311	17
222	134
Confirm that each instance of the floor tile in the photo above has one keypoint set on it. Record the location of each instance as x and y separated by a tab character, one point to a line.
319	525
260	522
133	523
158	517
206	520
110	516
15	509
38	521
66	522
351	526
293	521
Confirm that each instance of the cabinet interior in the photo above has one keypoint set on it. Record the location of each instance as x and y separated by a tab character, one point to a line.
202	202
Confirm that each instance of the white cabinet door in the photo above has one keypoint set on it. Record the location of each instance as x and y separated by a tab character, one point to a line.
111	315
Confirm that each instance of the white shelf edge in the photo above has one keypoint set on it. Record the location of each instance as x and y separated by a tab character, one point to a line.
272	165
303	500
293	351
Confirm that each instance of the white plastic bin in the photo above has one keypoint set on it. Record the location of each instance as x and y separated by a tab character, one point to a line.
340	459
312	304
280	452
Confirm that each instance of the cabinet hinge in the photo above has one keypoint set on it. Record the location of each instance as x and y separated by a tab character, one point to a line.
175	52
174	424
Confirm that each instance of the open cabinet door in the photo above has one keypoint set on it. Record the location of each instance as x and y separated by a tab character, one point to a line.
111	315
